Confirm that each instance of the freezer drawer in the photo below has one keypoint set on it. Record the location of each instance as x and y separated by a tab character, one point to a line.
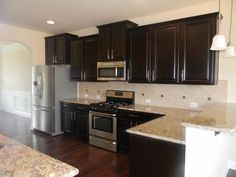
43	119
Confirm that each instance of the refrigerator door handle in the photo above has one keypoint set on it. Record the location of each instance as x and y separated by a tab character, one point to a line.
40	85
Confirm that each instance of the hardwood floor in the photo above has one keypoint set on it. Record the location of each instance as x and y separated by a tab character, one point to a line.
91	161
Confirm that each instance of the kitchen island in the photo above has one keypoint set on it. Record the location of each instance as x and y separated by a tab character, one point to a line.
183	142
17	160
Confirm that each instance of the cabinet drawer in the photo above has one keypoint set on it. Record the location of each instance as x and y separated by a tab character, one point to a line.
81	108
65	105
139	116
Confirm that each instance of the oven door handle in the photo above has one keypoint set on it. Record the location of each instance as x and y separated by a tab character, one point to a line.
102	140
102	114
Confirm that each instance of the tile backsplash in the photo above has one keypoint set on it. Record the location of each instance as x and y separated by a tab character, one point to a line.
179	96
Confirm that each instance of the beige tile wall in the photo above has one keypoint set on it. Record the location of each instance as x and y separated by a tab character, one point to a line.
179	96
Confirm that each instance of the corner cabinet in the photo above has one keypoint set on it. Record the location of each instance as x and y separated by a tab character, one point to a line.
74	119
57	49
198	64
84	59
112	40
176	52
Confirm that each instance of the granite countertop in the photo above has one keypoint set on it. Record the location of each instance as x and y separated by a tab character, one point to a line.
220	117
17	160
80	101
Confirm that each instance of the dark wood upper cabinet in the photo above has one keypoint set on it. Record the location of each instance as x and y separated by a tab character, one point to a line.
164	53
57	49
104	39
198	65
174	52
139	65
77	59
112	40
84	59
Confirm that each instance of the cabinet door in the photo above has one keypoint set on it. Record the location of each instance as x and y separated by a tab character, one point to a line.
61	51
90	59
165	52
104	38
67	118
81	119
197	61
118	42
139	56
50	51
77	58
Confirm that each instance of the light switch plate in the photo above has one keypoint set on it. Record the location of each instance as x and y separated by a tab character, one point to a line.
148	101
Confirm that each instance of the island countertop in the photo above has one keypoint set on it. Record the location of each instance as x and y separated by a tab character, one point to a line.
17	160
220	117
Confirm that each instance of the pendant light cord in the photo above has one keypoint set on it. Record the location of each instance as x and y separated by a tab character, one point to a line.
219	16
230	24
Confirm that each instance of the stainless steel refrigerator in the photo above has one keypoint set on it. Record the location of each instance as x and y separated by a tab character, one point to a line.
50	85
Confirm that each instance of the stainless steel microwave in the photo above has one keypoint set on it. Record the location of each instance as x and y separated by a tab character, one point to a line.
111	71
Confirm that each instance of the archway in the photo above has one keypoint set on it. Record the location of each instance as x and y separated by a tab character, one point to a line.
15	78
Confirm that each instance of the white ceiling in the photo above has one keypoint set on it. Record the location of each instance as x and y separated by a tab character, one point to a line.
77	14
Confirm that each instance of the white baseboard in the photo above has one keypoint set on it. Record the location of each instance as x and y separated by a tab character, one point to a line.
17	112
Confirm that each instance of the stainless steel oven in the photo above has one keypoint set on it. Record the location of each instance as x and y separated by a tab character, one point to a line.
103	130
111	70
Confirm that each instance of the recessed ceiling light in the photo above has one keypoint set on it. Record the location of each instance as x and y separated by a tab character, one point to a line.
50	22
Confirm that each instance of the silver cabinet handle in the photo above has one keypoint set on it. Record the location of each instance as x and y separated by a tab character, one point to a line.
153	75
108	57
131	124
53	59
148	74
182	74
84	76
132	115
112	57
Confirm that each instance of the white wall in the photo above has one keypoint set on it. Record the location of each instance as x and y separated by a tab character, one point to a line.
34	40
227	67
207	154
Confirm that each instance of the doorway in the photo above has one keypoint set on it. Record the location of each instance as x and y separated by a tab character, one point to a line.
15	78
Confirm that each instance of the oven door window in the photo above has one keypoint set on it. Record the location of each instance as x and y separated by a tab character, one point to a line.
107	72
104	124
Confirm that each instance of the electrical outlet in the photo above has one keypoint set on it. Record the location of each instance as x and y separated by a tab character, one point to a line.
98	97
193	105
148	101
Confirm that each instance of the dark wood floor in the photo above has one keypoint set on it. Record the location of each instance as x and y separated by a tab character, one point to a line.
91	161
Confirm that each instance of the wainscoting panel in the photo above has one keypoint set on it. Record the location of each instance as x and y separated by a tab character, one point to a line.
16	102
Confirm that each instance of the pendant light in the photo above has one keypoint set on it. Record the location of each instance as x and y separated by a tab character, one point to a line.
230	52
218	42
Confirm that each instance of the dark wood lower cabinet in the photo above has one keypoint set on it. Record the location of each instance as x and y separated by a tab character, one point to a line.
155	158
74	119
